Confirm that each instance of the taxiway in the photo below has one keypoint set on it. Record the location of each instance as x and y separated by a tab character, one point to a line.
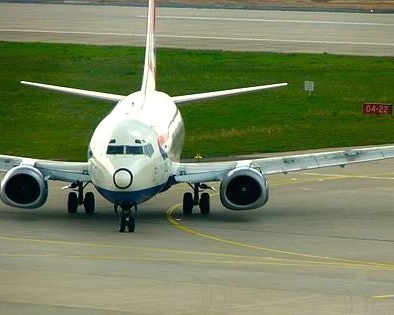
323	244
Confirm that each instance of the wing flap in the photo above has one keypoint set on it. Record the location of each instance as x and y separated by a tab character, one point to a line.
52	170
64	171
201	172
7	162
214	171
302	162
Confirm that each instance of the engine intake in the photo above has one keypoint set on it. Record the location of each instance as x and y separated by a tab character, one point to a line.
244	189
24	187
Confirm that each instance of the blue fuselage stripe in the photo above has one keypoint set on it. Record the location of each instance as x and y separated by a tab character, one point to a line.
133	197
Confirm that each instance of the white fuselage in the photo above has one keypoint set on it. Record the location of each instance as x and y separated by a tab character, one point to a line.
132	149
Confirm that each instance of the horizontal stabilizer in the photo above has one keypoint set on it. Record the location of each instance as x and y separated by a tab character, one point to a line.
78	92
179	100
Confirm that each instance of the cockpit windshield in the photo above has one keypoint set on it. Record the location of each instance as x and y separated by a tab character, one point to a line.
134	149
140	149
115	149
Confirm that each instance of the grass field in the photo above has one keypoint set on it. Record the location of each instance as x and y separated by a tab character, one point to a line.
42	124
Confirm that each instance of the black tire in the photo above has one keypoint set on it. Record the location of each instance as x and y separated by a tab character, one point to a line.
131	224
89	203
122	224
187	203
72	203
205	207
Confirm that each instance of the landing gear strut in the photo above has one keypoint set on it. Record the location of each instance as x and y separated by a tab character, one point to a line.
193	199
76	199
126	220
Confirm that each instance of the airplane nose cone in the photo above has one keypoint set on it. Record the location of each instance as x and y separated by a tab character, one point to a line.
123	178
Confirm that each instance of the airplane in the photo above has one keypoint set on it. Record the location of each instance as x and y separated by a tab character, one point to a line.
134	154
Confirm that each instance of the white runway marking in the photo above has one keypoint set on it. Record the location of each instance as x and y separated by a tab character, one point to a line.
221	38
205	18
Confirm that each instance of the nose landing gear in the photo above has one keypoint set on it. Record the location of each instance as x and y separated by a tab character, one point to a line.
126	220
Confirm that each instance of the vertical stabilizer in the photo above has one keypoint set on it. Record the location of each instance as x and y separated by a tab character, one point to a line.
149	78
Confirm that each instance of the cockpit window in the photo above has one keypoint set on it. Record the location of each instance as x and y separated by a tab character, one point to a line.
149	150
115	149
146	149
134	149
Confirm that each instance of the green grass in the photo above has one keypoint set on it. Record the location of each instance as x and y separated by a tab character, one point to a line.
42	124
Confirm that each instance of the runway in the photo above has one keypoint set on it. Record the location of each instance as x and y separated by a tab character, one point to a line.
322	245
238	30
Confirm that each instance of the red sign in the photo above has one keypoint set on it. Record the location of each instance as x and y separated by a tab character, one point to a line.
377	109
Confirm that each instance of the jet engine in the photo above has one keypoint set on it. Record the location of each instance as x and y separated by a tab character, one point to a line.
244	189
24	187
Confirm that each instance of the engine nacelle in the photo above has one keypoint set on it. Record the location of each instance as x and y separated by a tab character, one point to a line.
24	187
244	189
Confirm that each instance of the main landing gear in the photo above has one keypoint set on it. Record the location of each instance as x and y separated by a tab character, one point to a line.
126	219
193	199
76	199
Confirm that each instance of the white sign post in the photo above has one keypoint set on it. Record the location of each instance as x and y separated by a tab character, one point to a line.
309	86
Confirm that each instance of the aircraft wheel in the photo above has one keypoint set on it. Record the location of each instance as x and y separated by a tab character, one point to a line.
122	224
89	203
131	224
187	203
72	203
205	204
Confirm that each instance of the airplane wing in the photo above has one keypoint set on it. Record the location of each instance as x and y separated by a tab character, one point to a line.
51	170
215	171
78	92
179	100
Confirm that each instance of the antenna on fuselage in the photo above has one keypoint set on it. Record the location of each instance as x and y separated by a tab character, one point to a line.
149	78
